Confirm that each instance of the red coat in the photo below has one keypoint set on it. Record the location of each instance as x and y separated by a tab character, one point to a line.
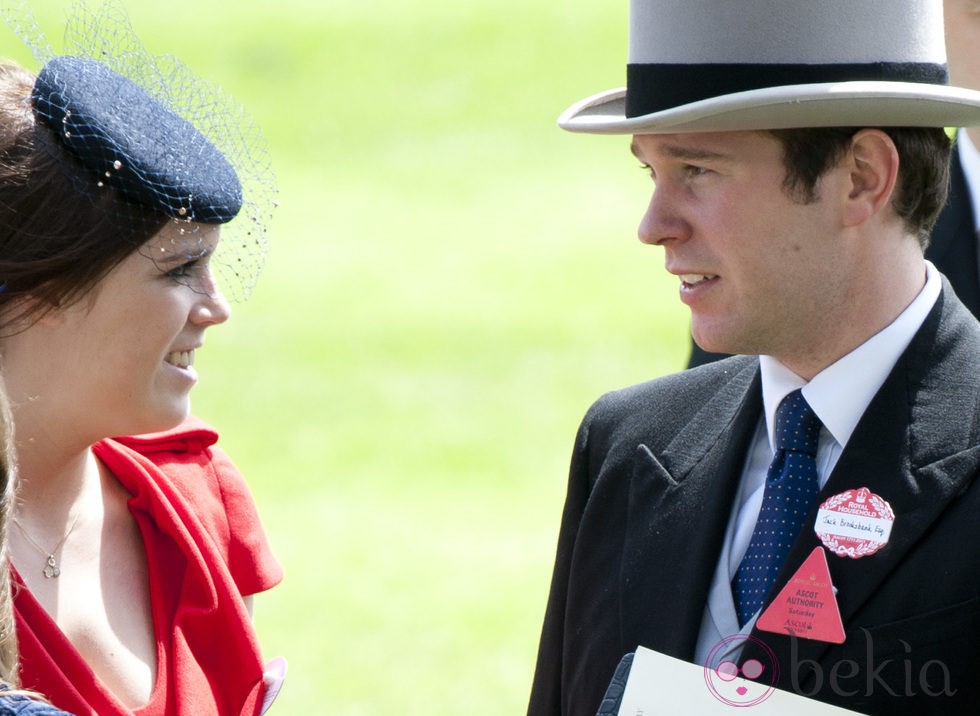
205	549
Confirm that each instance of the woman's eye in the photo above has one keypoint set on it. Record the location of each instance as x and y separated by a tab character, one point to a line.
185	269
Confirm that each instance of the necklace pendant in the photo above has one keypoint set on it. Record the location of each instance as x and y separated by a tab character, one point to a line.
52	570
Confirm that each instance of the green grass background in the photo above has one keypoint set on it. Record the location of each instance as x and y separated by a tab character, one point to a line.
452	281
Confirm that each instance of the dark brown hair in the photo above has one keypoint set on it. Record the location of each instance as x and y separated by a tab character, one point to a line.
923	175
60	233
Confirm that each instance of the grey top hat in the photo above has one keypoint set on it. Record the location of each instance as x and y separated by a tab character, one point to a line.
722	65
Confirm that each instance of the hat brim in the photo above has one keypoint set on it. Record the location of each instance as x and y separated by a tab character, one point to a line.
840	104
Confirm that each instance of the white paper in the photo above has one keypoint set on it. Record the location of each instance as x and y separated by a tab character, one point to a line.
274	675
660	685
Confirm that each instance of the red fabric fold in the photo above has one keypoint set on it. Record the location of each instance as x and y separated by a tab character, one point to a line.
205	549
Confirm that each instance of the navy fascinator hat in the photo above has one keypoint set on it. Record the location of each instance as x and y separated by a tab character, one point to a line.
131	142
169	143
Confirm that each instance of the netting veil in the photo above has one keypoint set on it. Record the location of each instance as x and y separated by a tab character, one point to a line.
172	144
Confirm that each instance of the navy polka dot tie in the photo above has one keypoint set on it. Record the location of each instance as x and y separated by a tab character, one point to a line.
791	488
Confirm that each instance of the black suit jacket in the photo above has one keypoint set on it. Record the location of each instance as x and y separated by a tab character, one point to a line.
953	249
653	478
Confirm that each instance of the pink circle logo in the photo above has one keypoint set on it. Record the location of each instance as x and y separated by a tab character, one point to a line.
741	685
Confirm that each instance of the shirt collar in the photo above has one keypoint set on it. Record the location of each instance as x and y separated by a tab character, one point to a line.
841	392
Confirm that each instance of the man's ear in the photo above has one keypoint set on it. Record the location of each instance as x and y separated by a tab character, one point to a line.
872	164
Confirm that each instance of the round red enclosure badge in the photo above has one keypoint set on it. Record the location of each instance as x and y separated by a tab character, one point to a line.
854	523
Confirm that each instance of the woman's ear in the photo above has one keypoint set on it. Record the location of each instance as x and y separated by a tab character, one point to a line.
25	311
872	163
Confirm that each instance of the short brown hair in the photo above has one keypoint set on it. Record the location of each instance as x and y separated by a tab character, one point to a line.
923	178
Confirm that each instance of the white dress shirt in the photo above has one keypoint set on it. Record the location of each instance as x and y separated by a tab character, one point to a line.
838	395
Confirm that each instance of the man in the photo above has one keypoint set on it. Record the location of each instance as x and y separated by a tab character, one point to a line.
799	163
953	247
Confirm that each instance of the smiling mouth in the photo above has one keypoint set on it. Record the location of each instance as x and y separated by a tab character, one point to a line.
181	359
694	279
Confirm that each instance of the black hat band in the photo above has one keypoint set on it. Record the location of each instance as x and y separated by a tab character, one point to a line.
659	87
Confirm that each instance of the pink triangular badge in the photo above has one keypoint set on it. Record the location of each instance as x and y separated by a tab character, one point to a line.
806	607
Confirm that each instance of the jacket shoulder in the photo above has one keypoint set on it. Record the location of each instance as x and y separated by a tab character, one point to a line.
654	411
680	393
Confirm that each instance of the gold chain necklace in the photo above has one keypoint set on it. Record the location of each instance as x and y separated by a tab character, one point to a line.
51	569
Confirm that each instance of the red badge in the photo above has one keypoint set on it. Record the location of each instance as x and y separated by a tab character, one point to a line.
806	607
854	523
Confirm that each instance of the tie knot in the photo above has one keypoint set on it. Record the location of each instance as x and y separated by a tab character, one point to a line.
797	426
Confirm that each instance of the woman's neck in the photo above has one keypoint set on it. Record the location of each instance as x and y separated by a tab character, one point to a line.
55	465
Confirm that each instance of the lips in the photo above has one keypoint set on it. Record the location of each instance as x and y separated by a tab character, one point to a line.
181	359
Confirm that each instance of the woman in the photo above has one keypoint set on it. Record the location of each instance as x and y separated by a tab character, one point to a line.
136	557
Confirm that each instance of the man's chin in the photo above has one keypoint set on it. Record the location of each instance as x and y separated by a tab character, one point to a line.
710	343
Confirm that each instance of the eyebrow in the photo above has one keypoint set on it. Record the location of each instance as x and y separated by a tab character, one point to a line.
675	151
176	258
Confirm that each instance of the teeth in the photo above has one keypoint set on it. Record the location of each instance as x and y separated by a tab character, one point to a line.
181	359
694	278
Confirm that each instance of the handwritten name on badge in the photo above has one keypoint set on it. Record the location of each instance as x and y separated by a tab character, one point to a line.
854	523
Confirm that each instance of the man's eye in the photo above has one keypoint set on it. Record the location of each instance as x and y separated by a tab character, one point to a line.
695	171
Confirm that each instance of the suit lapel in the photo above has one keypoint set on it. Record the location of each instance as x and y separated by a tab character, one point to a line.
679	504
917	464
